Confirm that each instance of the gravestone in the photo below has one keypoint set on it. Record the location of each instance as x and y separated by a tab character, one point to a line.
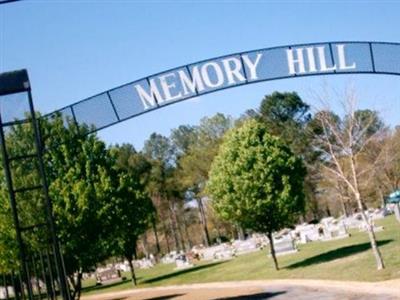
169	258
223	251
335	231
307	233
284	245
123	266
182	262
247	246
4	290
143	263
108	275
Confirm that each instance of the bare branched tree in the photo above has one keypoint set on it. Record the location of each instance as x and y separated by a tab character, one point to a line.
344	143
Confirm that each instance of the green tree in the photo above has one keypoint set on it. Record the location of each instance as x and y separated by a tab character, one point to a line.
135	210
82	184
83	188
30	205
286	115
161	153
195	164
183	138
256	181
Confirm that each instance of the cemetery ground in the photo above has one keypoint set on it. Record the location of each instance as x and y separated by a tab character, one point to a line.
347	259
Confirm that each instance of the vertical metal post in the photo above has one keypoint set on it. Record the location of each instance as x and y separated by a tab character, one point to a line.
48	286
49	207
16	292
6	286
10	187
37	278
21	285
52	285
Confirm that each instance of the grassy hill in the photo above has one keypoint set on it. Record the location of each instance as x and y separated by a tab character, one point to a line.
346	259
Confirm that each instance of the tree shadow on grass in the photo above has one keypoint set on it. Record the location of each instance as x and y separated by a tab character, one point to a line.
181	272
105	286
166	297
335	254
257	296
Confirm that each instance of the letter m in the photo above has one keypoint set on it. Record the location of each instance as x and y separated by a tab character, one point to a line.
150	96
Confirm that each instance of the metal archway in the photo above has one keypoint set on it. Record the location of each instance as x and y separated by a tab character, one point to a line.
215	74
154	92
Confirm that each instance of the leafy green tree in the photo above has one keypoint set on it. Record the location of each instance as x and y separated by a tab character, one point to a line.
286	116
83	189
133	217
8	247
183	138
161	153
82	184
135	210
159	147
256	181
30	204
195	164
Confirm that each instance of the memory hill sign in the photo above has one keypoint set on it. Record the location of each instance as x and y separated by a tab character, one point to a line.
236	70
233	70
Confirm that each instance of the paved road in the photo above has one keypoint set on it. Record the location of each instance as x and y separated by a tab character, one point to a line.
275	293
260	290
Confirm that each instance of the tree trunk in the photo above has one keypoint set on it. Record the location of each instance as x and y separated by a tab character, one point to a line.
328	212
219	233
371	234
132	270
397	211
383	202
166	236
173	228
240	233
77	284
343	204
185	227
145	245
206	236
233	229
361	206
179	225
272	247
153	221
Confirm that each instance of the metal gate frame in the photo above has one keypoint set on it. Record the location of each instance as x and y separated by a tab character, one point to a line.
15	83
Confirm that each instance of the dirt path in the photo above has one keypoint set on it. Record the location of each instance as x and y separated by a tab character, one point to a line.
272	289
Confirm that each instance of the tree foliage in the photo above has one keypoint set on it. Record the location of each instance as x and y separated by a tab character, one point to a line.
134	209
256	181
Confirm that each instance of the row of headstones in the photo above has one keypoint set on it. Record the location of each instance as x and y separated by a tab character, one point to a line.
285	242
7	292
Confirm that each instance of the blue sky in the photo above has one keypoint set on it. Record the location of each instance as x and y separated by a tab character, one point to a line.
75	49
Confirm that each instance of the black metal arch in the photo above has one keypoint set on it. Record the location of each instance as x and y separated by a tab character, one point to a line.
182	83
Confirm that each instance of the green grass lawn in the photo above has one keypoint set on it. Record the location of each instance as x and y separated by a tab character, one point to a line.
346	259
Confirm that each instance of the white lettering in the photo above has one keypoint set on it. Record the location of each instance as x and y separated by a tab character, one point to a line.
311	59
342	59
252	65
191	84
322	60
166	86
293	61
218	72
232	67
149	100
